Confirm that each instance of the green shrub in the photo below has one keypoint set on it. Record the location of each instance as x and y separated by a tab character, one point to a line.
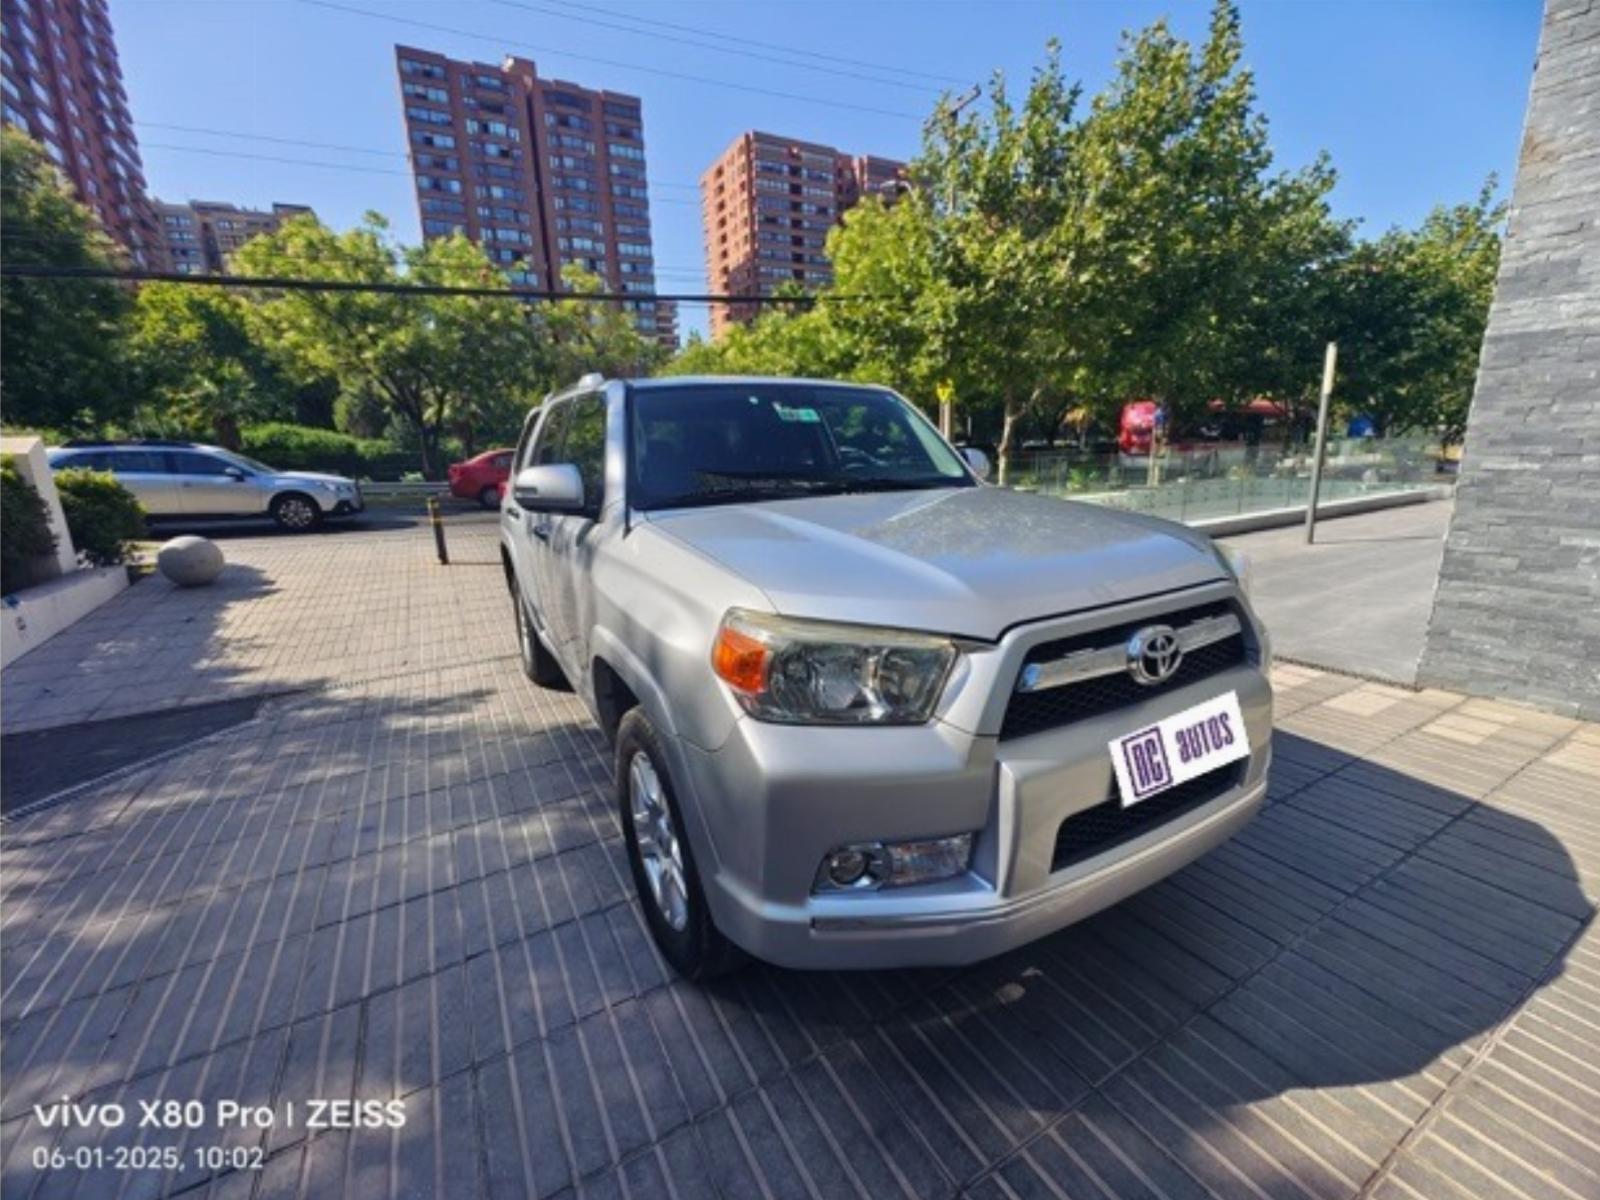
24	528
307	448
102	515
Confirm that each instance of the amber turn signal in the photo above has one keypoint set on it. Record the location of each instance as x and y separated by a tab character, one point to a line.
740	660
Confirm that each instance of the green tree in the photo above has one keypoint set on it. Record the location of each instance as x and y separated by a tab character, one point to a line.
60	357
435	362
196	353
1411	309
587	336
1215	253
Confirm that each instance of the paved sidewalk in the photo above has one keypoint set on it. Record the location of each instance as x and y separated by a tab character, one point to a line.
411	885
1357	600
287	613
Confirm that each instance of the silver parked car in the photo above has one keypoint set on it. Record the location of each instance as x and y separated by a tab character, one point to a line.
186	479
868	712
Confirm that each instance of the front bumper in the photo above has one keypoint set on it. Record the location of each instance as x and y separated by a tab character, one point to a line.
774	799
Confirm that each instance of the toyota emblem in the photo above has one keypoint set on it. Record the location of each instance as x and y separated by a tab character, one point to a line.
1154	654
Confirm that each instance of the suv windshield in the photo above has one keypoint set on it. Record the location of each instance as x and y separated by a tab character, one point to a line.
726	443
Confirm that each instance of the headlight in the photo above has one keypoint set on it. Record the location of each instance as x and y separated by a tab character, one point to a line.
1237	564
815	672
345	489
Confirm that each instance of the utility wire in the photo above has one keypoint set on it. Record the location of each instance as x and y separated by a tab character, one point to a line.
685	41
283	141
285	284
608	62
332	166
728	37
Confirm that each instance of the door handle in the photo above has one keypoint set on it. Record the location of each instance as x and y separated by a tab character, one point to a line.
542	532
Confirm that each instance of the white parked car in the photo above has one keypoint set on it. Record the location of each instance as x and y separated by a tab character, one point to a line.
187	479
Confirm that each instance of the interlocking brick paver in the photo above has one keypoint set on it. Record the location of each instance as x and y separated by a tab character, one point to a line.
407	883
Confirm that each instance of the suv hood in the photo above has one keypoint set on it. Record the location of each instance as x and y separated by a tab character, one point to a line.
966	561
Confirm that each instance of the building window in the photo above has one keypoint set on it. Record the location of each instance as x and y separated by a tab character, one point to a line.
419	91
438	183
438	141
411	66
615	129
628	112
428	116
566	99
493	82
629	190
621	151
567	121
442	228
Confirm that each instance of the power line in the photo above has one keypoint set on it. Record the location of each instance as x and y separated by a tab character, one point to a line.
285	141
288	284
728	37
684	41
609	62
331	166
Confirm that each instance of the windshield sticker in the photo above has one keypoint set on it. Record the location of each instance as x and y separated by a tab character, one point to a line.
806	416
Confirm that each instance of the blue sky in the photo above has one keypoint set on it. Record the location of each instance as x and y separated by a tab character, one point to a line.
1416	102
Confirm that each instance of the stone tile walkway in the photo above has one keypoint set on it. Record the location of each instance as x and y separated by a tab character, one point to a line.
410	886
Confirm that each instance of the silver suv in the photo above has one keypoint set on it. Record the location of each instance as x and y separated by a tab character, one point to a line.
186	479
868	712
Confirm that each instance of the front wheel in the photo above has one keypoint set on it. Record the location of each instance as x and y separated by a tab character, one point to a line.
295	513
664	873
489	497
538	664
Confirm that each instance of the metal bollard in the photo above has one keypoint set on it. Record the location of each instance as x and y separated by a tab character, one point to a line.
438	530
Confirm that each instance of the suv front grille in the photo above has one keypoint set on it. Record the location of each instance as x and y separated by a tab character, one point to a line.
1031	712
1107	825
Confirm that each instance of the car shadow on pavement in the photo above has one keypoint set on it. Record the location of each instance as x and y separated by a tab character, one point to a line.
1353	946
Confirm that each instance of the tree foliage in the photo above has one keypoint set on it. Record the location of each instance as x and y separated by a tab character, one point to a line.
437	363
1052	254
60	357
199	365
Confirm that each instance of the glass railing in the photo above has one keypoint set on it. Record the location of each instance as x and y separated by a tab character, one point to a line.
1198	483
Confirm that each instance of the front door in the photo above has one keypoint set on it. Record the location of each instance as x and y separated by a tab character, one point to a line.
530	531
209	486
572	535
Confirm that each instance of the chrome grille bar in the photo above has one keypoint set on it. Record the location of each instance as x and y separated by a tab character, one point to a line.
1112	660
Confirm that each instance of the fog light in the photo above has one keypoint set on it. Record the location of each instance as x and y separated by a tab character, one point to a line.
921	862
864	866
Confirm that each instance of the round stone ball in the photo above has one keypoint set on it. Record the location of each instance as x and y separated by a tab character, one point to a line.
190	561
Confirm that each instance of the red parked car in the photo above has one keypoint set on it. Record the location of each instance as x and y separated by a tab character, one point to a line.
482	478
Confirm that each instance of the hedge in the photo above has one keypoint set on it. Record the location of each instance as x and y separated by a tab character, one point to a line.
307	448
102	515
24	528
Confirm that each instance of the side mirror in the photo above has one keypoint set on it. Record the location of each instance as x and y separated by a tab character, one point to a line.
554	487
235	474
977	460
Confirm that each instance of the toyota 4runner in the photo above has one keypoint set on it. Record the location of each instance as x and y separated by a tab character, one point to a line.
867	711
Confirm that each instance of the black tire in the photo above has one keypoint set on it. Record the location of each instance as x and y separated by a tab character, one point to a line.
295	512
489	498
538	664
696	949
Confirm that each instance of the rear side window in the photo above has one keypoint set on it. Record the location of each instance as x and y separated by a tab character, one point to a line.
501	462
138	462
92	460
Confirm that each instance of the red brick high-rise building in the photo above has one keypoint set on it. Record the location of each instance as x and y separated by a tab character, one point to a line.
200	236
768	203
542	173
63	87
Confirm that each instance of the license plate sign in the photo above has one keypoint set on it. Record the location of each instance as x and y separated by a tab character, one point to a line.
1209	735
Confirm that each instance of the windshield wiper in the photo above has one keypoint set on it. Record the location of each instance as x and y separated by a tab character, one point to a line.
754	489
889	484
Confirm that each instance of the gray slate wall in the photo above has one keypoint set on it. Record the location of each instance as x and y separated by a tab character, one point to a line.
1517	612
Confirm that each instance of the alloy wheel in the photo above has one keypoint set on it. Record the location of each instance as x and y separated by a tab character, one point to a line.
297	513
657	839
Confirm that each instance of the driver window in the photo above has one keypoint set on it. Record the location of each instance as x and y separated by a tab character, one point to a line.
547	442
